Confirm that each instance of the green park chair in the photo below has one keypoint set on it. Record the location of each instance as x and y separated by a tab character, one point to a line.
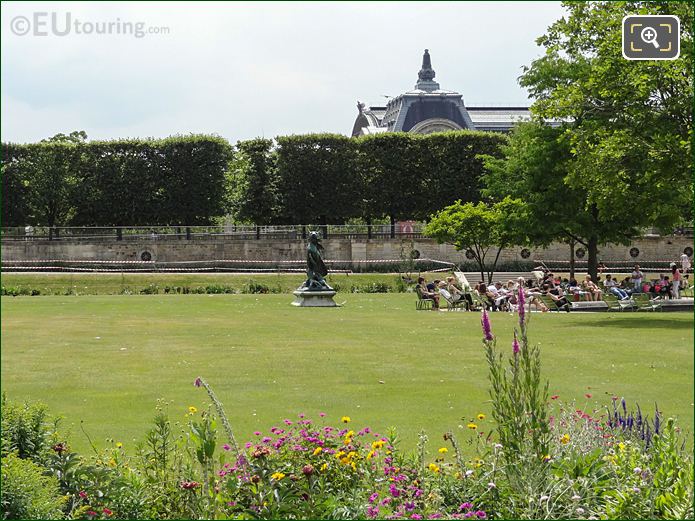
645	303
552	304
422	302
615	304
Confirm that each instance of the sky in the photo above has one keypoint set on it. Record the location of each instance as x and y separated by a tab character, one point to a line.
241	69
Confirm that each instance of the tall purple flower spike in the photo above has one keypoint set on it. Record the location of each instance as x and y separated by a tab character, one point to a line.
515	345
487	329
522	305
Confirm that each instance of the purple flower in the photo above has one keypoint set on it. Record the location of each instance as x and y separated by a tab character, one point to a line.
373	497
322	414
521	300
481	514
227	447
487	330
515	345
266	440
198	382
409	506
393	490
466	506
416	516
257	433
372	511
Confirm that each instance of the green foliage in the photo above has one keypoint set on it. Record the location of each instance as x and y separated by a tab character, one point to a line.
480	228
253	182
26	429
315	178
26	492
67	181
629	124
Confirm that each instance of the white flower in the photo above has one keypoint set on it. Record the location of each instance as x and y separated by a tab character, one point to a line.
580	510
544	498
576	498
491	485
636	490
498	445
469	473
637	470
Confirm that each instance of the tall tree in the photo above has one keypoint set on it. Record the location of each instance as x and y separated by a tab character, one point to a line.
535	166
252	183
629	123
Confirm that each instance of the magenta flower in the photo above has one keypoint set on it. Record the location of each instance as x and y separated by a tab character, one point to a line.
322	414
257	433
227	447
466	506
198	382
373	497
481	514
487	329
416	516
372	511
522	303
515	345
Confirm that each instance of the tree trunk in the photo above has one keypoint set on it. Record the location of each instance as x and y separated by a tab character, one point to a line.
188	233
592	267
571	258
303	231
258	232
369	227
119	233
393	226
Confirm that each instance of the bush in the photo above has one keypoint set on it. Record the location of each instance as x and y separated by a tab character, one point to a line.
152	289
27	493
26	429
374	287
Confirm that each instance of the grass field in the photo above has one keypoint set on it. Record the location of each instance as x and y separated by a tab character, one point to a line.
106	359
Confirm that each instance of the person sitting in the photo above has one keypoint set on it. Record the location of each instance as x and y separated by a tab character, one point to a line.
457	293
574	289
662	288
560	300
485	295
612	286
498	296
424	293
592	288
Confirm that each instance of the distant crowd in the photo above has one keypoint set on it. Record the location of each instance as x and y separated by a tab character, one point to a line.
547	292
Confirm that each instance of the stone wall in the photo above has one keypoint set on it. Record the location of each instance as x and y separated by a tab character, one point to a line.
651	248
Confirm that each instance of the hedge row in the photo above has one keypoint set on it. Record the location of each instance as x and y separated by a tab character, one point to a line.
191	180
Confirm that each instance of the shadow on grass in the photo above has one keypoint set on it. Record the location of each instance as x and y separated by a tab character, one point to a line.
641	321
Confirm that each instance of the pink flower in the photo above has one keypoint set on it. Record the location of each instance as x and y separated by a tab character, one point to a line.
487	329
521	301
82	494
227	447
257	433
107	511
588	395
198	382
515	345
322	414
373	497
555	397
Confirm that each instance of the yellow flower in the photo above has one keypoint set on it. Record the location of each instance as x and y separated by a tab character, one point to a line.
621	446
112	462
277	476
354	467
349	434
345	460
472	426
345	419
378	444
324	467
565	439
347	441
370	455
339	454
434	468
351	454
192	410
481	416
443	450
317	451
119	445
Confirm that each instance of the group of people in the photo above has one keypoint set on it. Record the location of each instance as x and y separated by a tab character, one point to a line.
499	296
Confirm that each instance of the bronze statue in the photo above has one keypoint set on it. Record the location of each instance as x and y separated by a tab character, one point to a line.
316	269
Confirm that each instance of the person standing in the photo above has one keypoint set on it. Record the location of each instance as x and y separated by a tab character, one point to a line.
676	280
637	277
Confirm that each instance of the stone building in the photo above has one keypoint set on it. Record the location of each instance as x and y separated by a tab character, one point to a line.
428	108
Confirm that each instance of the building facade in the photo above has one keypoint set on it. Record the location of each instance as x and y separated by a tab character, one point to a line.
429	108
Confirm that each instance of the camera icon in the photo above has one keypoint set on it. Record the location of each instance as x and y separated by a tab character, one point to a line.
651	37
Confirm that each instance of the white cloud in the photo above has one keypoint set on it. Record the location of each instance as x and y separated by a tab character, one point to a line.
242	70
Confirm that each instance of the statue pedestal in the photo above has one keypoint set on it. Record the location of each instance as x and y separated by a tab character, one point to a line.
314	299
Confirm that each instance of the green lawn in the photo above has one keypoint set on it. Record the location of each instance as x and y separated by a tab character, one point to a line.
106	360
